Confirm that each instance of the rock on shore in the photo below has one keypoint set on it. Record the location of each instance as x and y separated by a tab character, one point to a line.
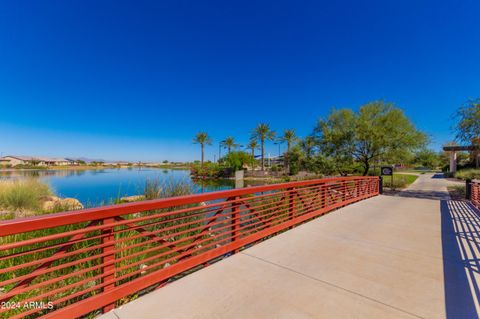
131	199
50	203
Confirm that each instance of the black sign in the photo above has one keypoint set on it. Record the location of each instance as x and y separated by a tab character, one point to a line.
387	171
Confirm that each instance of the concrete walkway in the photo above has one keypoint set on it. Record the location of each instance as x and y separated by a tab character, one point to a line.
414	255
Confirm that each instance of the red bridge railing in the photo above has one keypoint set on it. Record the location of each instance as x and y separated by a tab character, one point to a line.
475	195
71	264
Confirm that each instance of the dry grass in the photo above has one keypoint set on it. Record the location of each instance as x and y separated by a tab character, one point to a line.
22	197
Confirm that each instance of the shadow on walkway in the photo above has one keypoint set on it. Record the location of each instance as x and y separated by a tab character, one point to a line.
461	263
423	194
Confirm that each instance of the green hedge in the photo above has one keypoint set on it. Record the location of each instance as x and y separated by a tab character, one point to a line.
468	174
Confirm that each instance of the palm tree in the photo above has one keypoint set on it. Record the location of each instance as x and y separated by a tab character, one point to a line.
253	145
307	145
289	136
229	143
262	132
203	139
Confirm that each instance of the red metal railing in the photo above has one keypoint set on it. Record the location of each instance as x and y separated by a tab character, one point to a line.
475	195
91	260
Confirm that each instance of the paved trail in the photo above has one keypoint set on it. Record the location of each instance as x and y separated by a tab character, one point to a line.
413	255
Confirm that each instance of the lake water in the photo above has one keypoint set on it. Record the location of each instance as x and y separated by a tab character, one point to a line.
96	187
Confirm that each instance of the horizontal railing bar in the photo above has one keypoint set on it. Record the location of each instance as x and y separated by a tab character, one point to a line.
86	270
63	235
93	228
181	248
28	224
154	232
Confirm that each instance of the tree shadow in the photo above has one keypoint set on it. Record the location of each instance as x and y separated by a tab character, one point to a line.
461	252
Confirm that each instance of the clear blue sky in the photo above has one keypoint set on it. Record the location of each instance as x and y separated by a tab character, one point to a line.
135	80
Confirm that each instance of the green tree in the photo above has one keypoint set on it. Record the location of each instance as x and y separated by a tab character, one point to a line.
427	158
468	126
253	145
263	133
295	158
229	143
377	131
468	122
307	144
335	136
236	160
203	139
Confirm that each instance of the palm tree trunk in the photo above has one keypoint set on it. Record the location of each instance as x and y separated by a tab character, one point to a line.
288	159
263	154
253	159
202	153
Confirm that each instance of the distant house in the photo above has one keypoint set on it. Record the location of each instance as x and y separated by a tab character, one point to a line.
15	160
72	161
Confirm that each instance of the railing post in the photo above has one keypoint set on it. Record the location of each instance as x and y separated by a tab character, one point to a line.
235	221
110	240
380	184
468	189
324	195
291	204
475	193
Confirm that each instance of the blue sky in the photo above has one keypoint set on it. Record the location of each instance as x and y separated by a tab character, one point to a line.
135	80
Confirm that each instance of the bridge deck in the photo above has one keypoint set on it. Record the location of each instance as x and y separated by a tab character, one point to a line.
387	257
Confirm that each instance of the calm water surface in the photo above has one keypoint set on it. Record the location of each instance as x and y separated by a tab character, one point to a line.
96	187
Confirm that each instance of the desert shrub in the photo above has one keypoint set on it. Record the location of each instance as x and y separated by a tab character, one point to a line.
21	195
468	174
210	170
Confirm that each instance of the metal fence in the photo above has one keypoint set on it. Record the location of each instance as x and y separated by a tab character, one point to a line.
83	262
475	193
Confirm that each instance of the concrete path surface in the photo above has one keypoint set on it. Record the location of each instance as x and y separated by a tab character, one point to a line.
414	255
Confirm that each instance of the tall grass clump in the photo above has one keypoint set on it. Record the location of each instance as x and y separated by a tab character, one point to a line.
468	174
152	189
155	189
22	195
173	188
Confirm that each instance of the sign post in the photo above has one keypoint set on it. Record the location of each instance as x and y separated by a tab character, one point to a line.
388	171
